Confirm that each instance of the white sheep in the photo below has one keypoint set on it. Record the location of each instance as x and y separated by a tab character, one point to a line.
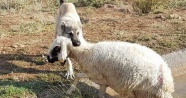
127	68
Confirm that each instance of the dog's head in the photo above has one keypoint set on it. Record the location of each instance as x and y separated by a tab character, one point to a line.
72	30
58	50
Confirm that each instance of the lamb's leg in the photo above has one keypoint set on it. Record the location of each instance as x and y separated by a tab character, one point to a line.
70	72
102	91
73	86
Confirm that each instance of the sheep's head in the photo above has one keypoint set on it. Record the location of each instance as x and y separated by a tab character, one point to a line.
58	50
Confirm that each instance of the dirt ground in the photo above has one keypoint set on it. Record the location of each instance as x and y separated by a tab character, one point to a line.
21	53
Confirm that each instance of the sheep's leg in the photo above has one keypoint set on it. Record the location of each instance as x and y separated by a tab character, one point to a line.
102	91
73	86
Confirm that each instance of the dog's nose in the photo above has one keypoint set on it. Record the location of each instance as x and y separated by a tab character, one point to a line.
76	43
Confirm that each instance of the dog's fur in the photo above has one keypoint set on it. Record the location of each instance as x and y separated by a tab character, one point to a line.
68	23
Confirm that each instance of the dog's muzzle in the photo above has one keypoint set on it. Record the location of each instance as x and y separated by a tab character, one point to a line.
76	43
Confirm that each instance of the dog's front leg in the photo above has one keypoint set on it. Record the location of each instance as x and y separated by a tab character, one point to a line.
73	86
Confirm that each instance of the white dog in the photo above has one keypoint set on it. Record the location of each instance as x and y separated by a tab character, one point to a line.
68	23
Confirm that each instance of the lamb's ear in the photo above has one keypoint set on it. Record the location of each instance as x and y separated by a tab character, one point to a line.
56	50
63	25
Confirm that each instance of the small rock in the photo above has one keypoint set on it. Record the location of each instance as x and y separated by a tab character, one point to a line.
160	16
9	49
20	45
126	8
2	35
31	17
174	16
183	19
122	8
14	46
4	52
15	28
109	6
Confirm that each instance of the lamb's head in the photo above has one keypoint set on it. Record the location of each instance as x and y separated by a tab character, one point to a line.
58	49
72	30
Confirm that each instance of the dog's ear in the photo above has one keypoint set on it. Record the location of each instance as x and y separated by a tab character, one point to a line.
63	25
61	2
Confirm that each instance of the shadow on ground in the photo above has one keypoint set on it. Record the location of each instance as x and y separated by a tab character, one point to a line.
45	86
6	65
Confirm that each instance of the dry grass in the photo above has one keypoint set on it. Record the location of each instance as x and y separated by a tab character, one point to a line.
177	4
34	19
146	6
27	5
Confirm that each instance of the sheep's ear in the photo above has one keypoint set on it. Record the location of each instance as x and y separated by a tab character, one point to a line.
63	25
56	50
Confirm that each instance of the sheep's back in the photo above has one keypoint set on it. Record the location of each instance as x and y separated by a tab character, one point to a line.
126	65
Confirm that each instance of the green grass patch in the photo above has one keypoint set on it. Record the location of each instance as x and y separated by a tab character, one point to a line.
177	4
21	89
94	3
10	91
146	6
50	77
